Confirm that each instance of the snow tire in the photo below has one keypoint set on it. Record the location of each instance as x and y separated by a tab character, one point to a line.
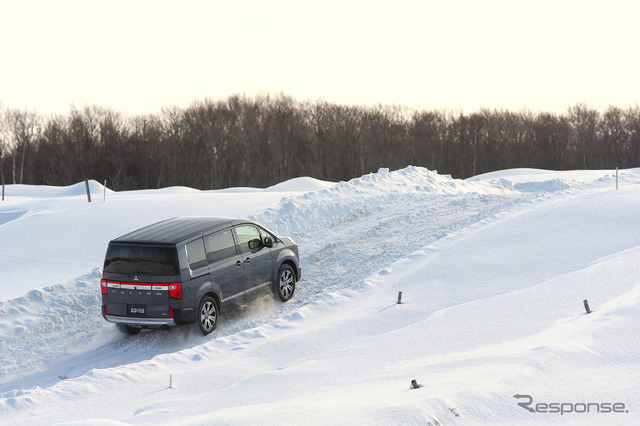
207	315
285	283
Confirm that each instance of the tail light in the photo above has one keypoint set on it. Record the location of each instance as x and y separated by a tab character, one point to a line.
175	291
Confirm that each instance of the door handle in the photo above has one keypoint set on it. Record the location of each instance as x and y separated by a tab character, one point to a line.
238	263
247	260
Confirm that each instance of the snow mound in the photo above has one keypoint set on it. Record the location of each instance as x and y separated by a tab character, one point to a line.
44	191
510	174
360	197
411	179
57	313
546	179
301	184
172	190
546	186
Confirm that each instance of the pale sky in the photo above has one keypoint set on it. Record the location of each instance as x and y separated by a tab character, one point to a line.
139	56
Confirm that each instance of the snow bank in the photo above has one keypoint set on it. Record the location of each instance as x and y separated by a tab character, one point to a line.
546	186
548	180
360	197
58	317
301	184
43	191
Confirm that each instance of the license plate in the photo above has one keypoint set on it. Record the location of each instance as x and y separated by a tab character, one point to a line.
136	309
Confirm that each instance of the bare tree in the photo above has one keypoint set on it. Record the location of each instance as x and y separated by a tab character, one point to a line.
23	127
584	135
615	138
632	128
4	138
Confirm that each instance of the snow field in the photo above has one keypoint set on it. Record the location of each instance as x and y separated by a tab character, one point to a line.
492	278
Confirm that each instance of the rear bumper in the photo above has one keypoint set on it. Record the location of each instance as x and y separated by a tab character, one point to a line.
153	322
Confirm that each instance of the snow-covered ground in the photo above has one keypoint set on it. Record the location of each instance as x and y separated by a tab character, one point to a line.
493	272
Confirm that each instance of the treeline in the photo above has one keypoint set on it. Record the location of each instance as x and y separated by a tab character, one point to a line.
261	141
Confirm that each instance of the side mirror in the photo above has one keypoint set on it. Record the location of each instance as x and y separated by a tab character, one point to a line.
268	242
255	244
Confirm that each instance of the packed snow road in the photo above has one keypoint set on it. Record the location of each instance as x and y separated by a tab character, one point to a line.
345	233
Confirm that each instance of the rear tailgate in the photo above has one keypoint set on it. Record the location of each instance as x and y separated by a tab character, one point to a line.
138	300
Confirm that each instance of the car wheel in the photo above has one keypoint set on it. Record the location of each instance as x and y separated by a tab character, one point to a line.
128	329
286	283
207	315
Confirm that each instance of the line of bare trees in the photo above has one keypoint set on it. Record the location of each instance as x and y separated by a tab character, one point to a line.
261	141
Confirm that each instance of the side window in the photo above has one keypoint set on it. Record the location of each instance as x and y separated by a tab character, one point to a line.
245	234
219	246
195	254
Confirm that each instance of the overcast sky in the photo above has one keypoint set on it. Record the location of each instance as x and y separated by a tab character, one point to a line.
138	56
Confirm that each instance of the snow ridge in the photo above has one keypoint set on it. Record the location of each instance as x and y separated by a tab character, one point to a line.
45	318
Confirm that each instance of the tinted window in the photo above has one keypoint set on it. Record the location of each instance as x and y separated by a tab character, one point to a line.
123	259
219	246
246	233
195	254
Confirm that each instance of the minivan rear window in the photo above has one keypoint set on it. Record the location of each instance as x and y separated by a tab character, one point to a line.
141	260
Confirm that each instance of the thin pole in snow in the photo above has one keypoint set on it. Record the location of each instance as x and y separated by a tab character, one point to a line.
616	178
86	184
104	194
3	192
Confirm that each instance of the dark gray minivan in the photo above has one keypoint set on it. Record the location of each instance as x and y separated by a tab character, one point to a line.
185	270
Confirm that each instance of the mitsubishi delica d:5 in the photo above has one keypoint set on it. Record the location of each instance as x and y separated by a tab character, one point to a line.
186	270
